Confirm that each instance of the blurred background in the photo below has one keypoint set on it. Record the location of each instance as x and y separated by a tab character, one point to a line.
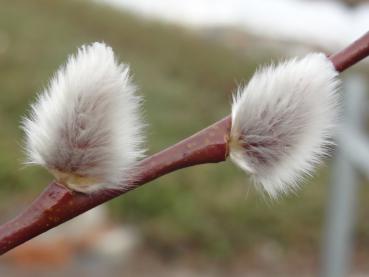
187	58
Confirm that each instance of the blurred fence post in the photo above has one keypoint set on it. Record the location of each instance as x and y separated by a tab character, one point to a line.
340	220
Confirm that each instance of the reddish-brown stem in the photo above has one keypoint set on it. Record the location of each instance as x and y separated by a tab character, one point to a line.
57	204
352	54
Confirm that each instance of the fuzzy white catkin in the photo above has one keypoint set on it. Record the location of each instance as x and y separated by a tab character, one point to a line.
85	127
283	122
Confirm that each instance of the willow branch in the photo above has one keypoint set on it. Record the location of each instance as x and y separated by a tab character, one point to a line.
352	54
57	204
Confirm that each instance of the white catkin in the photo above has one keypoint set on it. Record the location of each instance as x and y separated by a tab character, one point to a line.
85	127
283	122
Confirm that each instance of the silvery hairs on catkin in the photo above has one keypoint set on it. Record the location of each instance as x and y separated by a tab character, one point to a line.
85	127
283	121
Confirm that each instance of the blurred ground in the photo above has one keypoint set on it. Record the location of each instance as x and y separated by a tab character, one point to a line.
203	221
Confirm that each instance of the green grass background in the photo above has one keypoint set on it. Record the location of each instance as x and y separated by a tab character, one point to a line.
187	84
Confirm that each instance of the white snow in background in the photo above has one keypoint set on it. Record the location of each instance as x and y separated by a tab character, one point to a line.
328	24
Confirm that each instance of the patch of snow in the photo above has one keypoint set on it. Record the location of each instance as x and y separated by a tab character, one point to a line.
327	24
